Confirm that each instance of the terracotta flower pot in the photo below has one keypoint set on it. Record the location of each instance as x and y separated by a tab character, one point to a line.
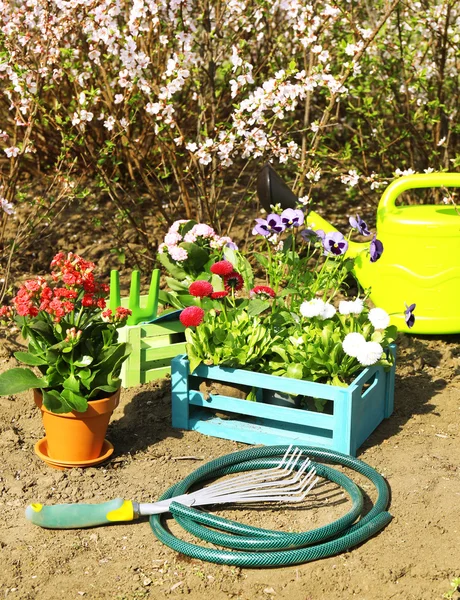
77	436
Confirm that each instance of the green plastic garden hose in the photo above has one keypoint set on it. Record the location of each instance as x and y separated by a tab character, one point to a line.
255	547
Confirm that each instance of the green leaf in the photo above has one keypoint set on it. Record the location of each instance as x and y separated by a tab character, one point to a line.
19	380
219	335
75	401
175	270
71	383
261	259
175	285
257	306
294	370
84	361
54	402
30	359
197	257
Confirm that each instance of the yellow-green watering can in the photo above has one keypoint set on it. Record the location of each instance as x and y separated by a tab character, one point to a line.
421	259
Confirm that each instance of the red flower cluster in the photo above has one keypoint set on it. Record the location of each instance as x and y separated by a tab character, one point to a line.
233	281
121	314
201	288
76	272
223	267
192	316
263	291
35	295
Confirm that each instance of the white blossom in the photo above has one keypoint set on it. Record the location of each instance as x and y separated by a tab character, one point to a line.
369	353
352	343
379	318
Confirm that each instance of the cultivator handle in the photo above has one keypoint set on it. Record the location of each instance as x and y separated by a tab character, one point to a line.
76	516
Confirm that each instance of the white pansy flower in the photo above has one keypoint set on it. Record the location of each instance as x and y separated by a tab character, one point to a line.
379	318
369	353
352	344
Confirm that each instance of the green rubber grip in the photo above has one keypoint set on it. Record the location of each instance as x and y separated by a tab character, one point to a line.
75	516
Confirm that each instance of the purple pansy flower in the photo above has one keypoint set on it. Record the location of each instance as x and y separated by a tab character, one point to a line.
291	217
359	224
231	245
375	249
266	227
409	316
335	243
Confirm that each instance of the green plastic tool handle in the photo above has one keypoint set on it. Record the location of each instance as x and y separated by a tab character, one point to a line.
411	182
75	516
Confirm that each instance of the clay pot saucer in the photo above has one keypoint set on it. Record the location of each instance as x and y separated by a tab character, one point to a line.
41	450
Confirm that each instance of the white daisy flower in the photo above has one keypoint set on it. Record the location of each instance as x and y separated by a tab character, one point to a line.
369	353
345	307
352	344
379	318
351	307
357	306
328	311
312	308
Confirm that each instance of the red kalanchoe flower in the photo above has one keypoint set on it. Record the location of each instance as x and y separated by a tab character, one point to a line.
6	312
233	281
122	313
191	316
262	291
219	295
223	267
87	300
201	288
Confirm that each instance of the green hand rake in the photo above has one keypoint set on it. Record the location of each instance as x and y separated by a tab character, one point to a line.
143	314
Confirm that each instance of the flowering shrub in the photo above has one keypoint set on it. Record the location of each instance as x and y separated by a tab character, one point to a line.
169	113
186	252
72	337
299	323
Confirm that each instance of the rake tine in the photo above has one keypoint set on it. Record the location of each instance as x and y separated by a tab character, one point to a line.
252	477
289	489
265	496
292	487
242	484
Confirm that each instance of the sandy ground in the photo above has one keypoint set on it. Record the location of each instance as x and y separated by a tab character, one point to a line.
414	558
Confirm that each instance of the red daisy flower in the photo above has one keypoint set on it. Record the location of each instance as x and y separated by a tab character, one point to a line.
218	295
262	291
201	288
233	281
191	316
223	267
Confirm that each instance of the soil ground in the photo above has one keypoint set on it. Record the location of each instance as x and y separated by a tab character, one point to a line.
414	558
417	450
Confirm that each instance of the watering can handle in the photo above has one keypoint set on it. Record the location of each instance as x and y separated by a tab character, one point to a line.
411	182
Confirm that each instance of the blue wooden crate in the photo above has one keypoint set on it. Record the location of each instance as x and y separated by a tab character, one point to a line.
356	410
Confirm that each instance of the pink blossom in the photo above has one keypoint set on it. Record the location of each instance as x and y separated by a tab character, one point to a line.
177	253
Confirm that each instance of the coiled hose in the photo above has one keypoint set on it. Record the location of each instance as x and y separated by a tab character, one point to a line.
255	547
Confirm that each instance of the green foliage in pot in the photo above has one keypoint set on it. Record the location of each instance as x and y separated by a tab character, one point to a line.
299	322
72	339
